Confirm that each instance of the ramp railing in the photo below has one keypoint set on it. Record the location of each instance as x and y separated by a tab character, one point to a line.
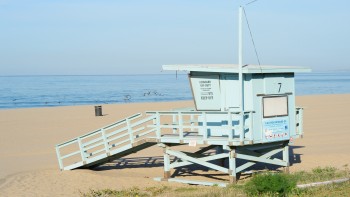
104	142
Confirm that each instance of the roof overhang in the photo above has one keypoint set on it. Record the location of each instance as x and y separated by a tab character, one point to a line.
233	68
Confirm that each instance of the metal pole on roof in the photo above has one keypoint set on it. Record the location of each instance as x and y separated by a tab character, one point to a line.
240	58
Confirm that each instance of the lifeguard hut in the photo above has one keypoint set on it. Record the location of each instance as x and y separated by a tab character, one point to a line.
245	112
253	118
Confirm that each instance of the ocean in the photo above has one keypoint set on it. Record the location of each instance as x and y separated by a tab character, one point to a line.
50	91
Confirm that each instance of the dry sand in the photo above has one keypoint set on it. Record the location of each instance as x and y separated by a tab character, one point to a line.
28	165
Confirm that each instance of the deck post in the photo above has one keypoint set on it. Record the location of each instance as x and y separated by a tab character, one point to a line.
251	127
59	158
105	141
81	149
241	128
166	163
131	135
205	132
230	126
301	132
174	123
158	125
286	158
192	123
181	129
232	166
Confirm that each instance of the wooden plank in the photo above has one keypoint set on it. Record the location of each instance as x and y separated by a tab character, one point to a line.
117	137
121	149
197	161
249	164
73	166
146	133
94	146
263	160
86	144
119	143
132	117
208	158
70	154
58	154
67	143
98	152
116	132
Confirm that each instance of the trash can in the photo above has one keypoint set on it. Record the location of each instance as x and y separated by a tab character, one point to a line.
98	110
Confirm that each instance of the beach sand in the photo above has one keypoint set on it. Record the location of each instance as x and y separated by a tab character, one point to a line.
28	164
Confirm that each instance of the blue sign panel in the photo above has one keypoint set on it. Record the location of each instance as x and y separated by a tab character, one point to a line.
275	129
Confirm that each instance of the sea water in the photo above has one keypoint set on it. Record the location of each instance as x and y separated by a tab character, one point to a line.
47	91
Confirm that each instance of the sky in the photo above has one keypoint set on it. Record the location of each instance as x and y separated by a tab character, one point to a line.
90	37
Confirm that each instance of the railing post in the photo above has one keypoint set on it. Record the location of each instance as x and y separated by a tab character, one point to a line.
174	123
192	123
131	135
241	128
181	130
105	141
230	126
59	157
251	126
158	125
205	133
301	111
81	148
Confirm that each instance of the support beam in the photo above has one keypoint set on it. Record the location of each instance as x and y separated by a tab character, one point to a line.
166	164
286	158
249	164
183	156
232	166
263	160
208	158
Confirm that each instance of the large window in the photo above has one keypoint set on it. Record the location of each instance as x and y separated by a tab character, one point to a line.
275	106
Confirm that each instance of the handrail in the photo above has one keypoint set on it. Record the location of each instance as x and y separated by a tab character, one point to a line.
95	140
99	130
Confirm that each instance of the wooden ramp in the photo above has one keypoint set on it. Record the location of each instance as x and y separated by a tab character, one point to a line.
114	141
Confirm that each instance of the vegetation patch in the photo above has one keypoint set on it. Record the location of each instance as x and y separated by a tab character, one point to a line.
262	184
274	184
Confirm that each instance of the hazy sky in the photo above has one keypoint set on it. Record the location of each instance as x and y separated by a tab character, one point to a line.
134	37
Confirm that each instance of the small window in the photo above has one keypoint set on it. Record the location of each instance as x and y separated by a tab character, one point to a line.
275	106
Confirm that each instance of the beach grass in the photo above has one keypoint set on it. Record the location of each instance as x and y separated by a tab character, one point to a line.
261	184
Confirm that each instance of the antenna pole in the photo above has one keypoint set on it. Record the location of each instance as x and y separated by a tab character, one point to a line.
240	57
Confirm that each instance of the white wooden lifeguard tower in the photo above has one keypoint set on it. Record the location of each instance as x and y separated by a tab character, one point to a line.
246	111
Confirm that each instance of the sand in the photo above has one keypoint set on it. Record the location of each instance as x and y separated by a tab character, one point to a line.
28	165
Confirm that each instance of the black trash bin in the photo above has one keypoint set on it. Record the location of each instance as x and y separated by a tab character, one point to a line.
98	110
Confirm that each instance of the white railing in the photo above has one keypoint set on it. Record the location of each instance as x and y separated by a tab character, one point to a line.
120	135
100	143
238	126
